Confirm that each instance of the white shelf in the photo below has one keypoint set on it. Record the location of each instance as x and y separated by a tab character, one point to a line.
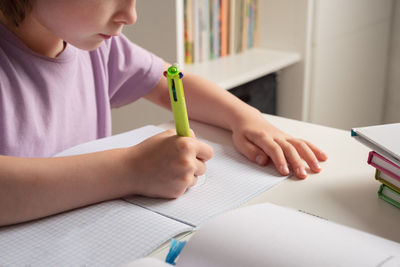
253	63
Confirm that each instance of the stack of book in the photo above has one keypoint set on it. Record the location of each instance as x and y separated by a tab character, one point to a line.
217	28
385	157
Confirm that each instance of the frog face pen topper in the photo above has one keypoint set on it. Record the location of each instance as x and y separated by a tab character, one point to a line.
177	97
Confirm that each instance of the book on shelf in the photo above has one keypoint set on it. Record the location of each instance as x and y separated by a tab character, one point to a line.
270	235
188	30
233	26
217	28
389	195
384	139
196	30
113	233
204	30
245	25
224	32
252	24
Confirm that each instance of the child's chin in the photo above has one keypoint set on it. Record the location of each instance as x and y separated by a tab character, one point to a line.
89	46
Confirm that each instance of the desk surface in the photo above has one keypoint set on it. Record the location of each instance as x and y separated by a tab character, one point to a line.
344	192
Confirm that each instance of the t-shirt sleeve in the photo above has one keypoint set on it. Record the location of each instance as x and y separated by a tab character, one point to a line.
132	71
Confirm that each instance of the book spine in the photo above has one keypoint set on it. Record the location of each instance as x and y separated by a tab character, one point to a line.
251	24
224	14
239	25
382	195
245	27
215	34
205	31
256	35
232	25
196	31
393	167
389	181
188	26
217	28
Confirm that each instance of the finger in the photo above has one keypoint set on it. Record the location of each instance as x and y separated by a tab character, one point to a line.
169	132
203	151
188	146
200	168
293	157
317	151
192	134
273	150
307	154
251	151
193	181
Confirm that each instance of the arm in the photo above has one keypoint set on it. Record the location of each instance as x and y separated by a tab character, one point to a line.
31	188
253	136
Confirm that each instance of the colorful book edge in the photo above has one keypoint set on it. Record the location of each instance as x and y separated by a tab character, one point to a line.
385	182
387	198
373	154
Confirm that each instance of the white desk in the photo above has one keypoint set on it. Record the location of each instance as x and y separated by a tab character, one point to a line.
344	192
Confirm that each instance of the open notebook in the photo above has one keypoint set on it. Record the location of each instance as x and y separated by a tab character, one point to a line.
269	235
119	231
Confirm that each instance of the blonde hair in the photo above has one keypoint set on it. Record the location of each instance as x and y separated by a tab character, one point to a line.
15	10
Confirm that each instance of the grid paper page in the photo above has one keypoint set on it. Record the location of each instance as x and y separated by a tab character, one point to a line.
230	180
107	234
122	140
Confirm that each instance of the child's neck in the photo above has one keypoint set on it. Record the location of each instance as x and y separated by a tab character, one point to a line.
36	37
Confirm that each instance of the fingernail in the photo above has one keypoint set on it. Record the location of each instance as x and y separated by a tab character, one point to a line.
284	169
301	172
316	165
260	160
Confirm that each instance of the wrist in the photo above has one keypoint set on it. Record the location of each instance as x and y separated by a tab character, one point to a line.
239	116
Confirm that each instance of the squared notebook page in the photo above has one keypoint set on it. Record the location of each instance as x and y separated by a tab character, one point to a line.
122	140
230	180
382	138
111	233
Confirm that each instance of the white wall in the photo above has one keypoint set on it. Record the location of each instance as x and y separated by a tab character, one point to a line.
352	83
349	62
137	114
392	103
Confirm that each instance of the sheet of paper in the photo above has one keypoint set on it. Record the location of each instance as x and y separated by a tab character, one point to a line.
107	234
148	262
230	180
269	235
122	140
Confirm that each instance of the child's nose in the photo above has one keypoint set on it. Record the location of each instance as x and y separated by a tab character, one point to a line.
127	15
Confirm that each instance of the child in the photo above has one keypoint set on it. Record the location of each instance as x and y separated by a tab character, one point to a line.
63	66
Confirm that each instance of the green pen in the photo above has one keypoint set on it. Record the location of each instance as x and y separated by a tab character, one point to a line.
177	97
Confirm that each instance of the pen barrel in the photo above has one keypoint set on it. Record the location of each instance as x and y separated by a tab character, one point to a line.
178	105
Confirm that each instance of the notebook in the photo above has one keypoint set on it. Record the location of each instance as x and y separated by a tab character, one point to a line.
384	165
389	195
383	139
116	232
270	235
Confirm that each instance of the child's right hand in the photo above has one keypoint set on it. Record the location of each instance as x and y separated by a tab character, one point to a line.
166	165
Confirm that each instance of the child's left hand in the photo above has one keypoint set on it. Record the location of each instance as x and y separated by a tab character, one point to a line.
260	141
253	136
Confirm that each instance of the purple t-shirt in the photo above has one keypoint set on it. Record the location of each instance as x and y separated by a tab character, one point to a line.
50	104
